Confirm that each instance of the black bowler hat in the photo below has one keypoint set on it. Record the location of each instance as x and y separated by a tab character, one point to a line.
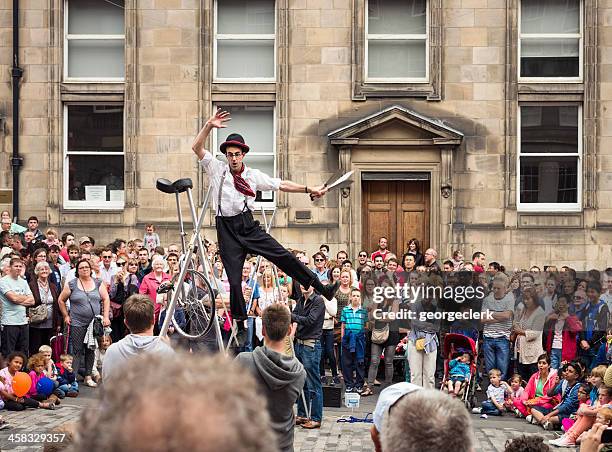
234	139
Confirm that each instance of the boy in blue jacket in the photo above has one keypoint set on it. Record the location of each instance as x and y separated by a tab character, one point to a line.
66	378
459	373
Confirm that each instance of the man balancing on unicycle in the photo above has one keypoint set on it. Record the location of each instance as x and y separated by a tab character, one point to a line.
233	191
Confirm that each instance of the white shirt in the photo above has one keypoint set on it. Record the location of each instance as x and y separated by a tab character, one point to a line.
107	275
232	201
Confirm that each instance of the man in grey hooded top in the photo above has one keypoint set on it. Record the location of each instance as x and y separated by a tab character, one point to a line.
280	376
139	318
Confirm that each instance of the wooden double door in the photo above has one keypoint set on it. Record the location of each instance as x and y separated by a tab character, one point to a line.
398	210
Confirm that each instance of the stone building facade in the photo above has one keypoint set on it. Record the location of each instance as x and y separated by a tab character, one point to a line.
470	124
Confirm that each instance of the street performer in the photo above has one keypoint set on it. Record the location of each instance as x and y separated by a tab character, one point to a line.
233	191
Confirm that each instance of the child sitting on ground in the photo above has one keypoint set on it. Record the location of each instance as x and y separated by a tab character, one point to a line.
50	367
68	385
103	343
584	402
459	373
514	391
496	394
585	418
36	364
12	402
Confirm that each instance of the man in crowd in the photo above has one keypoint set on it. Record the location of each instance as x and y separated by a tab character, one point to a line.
341	256
410	419
379	267
325	250
73	256
15	295
478	261
319	269
178	402
33	227
309	314
139	314
500	305
108	268
5	224
67	240
430	260
85	244
144	264
280	376
382	249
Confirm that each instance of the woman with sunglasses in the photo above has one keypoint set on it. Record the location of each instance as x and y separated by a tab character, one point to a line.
123	284
88	298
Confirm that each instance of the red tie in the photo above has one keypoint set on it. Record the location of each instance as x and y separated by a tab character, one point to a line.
241	185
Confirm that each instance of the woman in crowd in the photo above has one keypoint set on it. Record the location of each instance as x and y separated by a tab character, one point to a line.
268	294
334	274
151	282
567	391
44	294
88	298
550	294
539	384
414	248
423	339
528	328
385	336
327	341
561	333
123	285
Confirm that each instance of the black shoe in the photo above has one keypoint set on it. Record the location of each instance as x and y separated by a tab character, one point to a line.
330	290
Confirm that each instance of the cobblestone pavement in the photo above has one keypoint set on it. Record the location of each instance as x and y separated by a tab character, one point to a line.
491	434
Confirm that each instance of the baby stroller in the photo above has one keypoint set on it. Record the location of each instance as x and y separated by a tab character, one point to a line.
454	345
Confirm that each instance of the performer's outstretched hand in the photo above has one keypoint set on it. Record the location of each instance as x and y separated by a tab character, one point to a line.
218	119
318	192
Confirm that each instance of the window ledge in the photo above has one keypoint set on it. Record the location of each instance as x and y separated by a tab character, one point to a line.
244	87
552	87
89	88
550	219
414	89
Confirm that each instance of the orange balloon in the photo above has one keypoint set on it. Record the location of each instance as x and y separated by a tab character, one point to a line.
21	384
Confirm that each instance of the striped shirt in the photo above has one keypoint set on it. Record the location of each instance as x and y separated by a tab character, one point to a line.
354	319
502	328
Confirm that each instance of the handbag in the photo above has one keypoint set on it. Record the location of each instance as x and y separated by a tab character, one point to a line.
380	335
419	344
38	314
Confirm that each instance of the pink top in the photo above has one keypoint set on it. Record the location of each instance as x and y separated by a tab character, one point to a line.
35	379
517	394
7	386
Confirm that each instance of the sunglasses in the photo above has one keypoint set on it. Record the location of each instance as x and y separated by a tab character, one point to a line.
363	255
107	257
120	264
319	260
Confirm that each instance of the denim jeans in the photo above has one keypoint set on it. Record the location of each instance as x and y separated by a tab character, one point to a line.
489	408
327	349
72	387
497	354
248	343
555	358
313	391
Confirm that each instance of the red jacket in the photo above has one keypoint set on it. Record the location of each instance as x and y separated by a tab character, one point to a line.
571	328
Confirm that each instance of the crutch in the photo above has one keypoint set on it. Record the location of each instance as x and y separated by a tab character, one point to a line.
307	406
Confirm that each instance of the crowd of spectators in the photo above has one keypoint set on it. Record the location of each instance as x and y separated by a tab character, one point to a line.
543	330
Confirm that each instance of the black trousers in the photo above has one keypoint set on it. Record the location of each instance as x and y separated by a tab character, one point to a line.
241	234
14	338
38	337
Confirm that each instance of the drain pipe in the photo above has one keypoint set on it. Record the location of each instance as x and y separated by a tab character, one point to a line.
17	73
